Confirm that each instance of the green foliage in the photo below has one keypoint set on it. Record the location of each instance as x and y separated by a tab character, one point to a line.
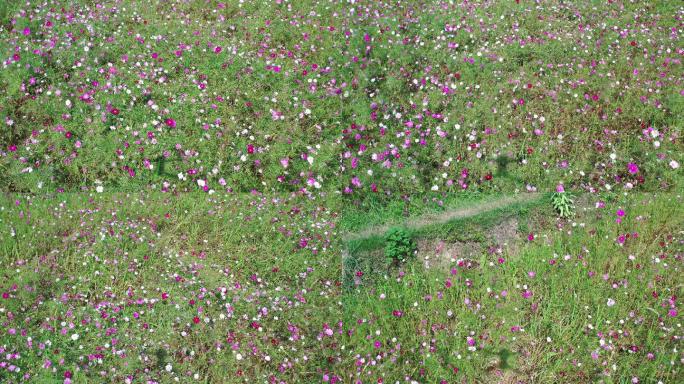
398	244
563	204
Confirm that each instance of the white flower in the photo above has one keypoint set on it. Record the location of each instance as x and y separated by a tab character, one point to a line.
238	356
74	337
99	189
310	159
168	367
674	164
201	182
610	302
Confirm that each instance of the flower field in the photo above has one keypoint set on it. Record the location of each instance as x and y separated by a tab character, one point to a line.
328	191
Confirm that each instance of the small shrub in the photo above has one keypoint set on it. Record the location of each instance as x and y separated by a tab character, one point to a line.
562	202
398	245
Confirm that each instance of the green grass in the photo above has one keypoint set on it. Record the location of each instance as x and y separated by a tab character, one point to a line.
380	114
567	305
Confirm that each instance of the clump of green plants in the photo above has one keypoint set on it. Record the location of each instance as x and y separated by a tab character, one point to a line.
562	202
398	245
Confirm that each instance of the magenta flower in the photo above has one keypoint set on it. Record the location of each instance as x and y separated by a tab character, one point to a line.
632	168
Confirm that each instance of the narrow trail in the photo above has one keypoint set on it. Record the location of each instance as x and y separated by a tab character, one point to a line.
446	216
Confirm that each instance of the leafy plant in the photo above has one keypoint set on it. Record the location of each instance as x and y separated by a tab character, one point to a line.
398	245
563	204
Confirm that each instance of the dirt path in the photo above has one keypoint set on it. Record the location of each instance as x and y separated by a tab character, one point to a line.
446	216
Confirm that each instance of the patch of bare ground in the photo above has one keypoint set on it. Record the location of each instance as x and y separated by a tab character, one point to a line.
499	239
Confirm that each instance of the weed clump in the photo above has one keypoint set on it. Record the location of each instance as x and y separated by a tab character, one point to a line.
562	202
398	245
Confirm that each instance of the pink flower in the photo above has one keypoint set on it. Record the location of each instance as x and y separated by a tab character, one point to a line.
171	123
560	188
632	168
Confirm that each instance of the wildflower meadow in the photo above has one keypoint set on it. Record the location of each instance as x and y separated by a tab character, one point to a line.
341	191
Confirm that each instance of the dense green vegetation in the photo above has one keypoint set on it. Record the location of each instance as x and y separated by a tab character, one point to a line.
325	191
